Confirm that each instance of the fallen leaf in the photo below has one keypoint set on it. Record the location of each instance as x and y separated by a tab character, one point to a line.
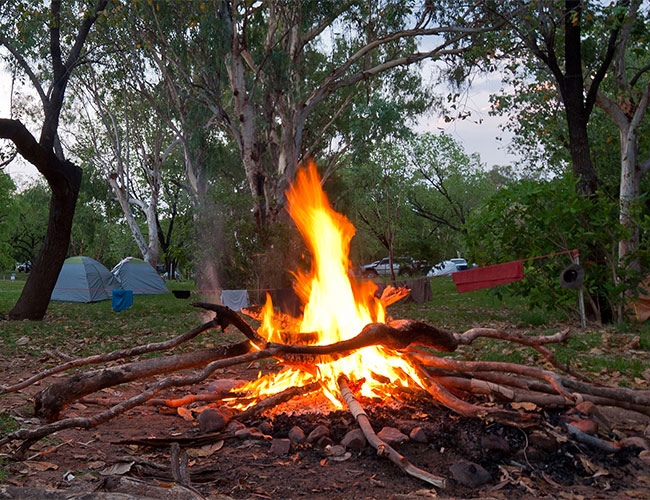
118	469
644	479
96	464
524	406
185	413
205	451
22	341
40	466
637	493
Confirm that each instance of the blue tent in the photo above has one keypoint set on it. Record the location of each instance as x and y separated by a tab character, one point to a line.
137	275
83	279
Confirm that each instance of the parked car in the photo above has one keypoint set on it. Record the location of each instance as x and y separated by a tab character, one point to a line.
402	266
447	267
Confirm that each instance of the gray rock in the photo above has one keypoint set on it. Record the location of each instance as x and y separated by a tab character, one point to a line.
249	433
319	432
280	446
234	426
493	443
325	441
392	436
418	435
469	474
266	427
214	419
297	435
354	440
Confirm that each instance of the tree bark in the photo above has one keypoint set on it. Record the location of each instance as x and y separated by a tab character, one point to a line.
32	303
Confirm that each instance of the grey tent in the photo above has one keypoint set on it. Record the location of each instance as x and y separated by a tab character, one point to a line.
139	276
83	279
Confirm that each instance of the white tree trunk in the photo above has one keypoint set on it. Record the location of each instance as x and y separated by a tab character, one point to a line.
628	196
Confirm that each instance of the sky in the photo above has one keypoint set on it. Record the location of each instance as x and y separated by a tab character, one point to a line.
477	134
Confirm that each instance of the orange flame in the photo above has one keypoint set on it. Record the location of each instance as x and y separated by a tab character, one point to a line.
336	307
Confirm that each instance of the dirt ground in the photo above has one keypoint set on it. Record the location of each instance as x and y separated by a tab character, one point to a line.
519	463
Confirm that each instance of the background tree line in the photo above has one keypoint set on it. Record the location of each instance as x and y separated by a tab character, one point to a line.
188	120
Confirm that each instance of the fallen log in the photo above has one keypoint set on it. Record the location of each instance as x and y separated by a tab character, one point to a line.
49	402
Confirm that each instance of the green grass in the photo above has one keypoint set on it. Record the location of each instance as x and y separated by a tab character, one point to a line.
84	329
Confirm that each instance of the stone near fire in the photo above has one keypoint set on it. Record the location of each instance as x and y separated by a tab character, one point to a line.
214	419
319	432
392	436
266	427
418	435
249	433
234	426
492	443
354	440
297	435
324	442
469	474
543	441
280	446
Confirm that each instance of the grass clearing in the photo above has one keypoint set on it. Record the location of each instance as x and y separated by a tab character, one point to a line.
621	351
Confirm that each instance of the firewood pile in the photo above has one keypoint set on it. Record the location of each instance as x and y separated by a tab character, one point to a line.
461	386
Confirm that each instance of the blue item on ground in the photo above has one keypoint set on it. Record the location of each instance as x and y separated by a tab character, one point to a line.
122	299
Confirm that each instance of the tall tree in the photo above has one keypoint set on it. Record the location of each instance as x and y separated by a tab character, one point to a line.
553	32
627	105
21	26
275	66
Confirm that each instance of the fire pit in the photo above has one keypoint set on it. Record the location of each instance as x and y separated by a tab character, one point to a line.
344	349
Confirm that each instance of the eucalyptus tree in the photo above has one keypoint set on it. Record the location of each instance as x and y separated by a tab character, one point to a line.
278	76
45	45
127	140
627	104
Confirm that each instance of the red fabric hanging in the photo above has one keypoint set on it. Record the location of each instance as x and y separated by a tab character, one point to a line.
486	277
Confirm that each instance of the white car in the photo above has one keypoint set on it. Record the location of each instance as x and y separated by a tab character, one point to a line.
447	267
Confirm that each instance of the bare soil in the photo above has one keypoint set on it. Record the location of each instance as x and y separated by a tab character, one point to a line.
78	460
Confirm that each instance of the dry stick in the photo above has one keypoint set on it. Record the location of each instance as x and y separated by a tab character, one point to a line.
536	343
559	383
179	465
469	366
384	449
276	399
111	356
507	387
31	436
400	335
49	402
458	405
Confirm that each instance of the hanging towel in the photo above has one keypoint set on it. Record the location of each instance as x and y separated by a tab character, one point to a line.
121	300
235	299
486	277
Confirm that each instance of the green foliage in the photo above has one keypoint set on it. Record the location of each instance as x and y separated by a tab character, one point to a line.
533	218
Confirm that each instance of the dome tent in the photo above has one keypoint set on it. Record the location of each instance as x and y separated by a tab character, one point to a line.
83	279
137	275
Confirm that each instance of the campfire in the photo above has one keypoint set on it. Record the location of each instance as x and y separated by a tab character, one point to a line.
336	308
344	346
